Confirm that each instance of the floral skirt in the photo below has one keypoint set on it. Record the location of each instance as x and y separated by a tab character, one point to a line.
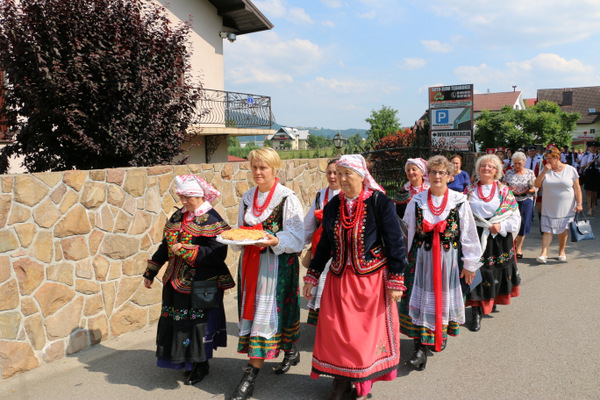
181	330
287	314
500	276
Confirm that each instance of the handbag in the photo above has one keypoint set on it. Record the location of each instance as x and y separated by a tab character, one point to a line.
580	229
204	294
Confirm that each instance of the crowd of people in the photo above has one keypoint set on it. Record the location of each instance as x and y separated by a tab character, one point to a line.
377	265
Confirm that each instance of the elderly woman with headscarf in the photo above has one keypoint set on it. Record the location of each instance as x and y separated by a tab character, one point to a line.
416	172
268	287
357	337
443	247
186	335
498	220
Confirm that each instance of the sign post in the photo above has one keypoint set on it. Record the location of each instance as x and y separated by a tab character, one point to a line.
451	117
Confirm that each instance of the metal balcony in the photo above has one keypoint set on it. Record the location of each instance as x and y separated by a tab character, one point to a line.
234	110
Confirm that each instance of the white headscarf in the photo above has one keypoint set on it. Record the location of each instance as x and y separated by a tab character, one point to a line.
194	186
357	163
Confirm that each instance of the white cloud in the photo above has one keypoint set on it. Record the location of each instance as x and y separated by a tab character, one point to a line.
530	22
278	60
299	15
335	85
411	63
328	24
333	3
542	71
280	9
436	46
367	15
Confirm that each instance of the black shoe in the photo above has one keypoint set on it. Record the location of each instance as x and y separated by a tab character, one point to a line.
494	308
340	388
245	388
444	342
476	319
198	372
419	357
290	359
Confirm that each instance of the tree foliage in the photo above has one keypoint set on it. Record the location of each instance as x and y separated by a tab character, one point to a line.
383	123
354	144
93	83
542	123
318	141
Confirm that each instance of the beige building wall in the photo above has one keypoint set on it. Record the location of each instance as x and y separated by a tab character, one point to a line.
74	244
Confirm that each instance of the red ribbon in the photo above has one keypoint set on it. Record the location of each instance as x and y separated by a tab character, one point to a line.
437	277
318	232
250	266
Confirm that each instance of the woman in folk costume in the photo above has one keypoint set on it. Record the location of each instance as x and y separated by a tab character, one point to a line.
357	337
443	247
313	229
416	172
268	291
187	336
498	220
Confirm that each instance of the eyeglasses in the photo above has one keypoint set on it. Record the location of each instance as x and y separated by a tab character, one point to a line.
440	173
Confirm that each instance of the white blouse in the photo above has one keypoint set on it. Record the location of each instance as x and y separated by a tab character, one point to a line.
469	239
291	236
488	209
310	221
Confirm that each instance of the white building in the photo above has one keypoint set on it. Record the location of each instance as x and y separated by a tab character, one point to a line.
298	138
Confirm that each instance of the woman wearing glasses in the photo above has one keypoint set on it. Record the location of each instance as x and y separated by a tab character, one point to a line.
498	220
562	198
442	237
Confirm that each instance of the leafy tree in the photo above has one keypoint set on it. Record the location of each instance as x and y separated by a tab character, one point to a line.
233	141
287	145
93	83
548	124
501	128
354	144
383	122
542	123
268	143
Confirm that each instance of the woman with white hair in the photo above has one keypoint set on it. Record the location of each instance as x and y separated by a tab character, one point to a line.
416	172
498	220
521	180
357	337
187	336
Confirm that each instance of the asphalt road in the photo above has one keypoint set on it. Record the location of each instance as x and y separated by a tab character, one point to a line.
545	345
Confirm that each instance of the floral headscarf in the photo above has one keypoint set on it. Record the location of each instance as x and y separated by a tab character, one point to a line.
357	163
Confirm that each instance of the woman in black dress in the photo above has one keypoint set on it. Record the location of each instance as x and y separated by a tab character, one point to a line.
186	336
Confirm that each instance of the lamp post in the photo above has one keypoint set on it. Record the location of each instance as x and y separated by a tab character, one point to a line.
338	142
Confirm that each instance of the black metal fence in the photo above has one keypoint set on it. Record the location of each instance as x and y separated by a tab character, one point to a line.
238	110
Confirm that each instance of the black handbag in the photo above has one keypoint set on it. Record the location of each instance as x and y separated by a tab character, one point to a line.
204	294
581	229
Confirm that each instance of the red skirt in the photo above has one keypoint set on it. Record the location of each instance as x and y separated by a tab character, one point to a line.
357	333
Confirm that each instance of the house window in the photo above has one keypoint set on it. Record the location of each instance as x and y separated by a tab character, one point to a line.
2	117
592	131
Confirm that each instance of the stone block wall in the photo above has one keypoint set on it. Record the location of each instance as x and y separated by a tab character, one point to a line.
73	246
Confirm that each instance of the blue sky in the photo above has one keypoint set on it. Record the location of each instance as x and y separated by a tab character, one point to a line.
329	63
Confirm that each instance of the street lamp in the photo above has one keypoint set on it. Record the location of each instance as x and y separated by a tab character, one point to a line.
338	142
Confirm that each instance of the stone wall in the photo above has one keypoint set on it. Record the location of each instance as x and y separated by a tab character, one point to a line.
73	246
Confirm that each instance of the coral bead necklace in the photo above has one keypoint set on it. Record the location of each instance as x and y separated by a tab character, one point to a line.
348	222
489	198
258	210
437	210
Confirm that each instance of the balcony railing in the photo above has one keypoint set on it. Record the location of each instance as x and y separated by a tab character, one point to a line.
236	110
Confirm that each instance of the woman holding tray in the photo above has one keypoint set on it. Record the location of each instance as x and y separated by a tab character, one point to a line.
268	300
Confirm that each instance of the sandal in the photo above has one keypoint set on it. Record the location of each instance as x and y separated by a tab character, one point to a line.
562	258
519	256
542	259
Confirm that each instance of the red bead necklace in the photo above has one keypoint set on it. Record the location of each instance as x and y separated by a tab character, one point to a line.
348	222
488	198
258	210
437	210
417	191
